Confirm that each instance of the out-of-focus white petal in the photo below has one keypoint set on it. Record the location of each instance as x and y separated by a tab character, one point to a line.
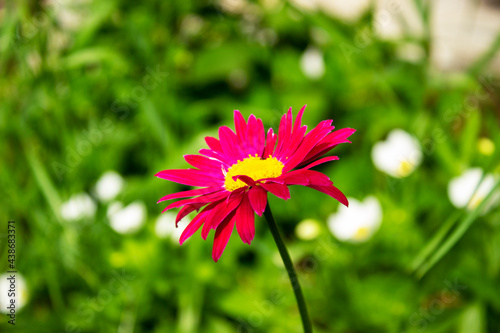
126	220
461	189
312	63
358	222
19	292
350	11
77	207
108	186
165	226
399	155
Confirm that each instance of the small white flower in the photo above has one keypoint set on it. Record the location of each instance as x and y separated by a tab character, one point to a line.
358	222
350	11
312	63
108	186
165	226
126	220
461	189
71	15
77	207
308	229
21	292
399	155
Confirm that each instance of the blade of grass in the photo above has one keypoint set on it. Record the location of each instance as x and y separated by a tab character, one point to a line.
439	236
44	183
457	234
434	242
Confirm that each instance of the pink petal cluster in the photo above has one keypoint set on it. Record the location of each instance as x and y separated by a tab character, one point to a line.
222	209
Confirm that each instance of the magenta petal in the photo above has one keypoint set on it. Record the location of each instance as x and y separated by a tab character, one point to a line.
278	180
295	178
292	144
306	178
270	144
279	190
190	193
213	143
227	160
247	180
222	235
240	126
340	136
236	193
229	143
204	163
333	192
255	136
308	143
190	177
321	161
328	143
316	177
245	221
186	210
283	131
222	210
258	199
298	120
201	199
195	224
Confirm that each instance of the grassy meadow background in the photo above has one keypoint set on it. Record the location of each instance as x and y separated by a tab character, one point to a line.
91	86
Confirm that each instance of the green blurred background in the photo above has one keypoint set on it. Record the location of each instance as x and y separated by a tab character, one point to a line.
91	86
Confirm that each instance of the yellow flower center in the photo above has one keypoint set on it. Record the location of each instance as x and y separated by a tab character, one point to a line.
362	234
405	168
253	167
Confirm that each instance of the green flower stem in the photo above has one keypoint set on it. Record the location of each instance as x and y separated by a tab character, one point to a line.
306	322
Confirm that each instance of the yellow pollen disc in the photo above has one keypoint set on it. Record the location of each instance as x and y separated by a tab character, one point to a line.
362	234
253	167
405	168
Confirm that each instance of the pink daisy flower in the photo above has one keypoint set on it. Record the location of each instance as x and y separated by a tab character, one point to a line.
240	168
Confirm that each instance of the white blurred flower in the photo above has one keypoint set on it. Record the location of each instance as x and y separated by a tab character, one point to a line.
77	207
165	226
399	155
21	292
358	222
308	229
71	15
350	11
126	220
461	189
108	186
312	63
